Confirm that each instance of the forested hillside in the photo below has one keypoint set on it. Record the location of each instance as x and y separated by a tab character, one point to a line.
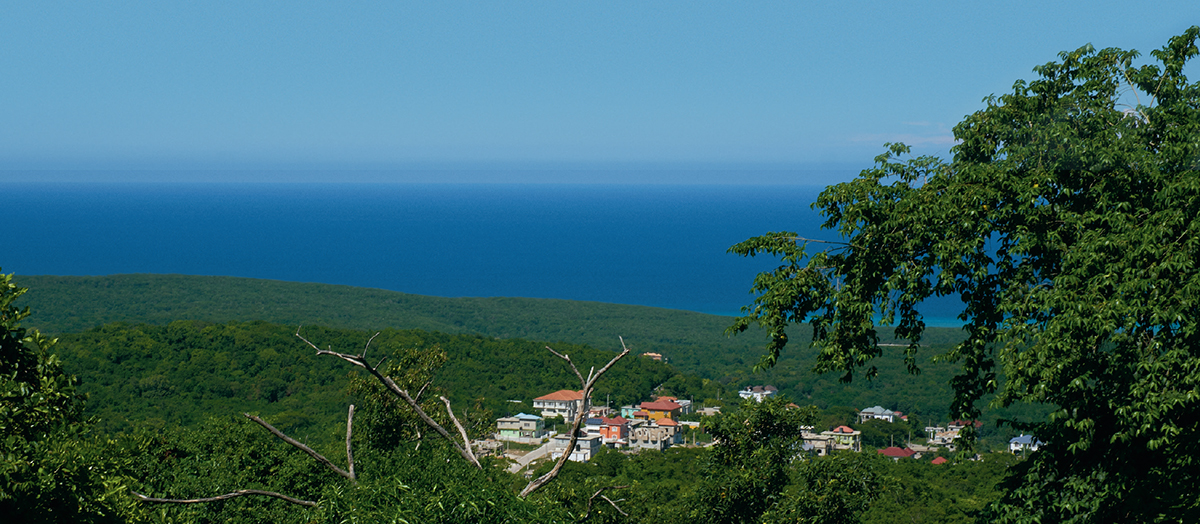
695	344
186	371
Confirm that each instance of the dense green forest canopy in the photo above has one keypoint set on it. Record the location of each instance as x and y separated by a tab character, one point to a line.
694	344
69	469
187	371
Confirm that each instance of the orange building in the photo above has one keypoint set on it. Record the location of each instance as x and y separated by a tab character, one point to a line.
661	409
614	429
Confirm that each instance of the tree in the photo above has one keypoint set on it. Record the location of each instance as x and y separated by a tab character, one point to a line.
751	460
51	468
1068	222
415	369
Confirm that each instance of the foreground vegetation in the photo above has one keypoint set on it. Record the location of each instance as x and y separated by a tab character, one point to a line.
164	384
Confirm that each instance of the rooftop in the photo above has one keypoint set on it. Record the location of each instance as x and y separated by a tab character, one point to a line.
562	395
660	406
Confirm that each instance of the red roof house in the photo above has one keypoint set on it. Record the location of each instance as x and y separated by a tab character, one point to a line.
896	453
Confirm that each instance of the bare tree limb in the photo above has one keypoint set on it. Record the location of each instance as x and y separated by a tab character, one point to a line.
238	493
422	390
320	458
584	407
349	450
461	430
606	499
361	361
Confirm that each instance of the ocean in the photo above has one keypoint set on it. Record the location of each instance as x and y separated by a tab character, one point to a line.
654	245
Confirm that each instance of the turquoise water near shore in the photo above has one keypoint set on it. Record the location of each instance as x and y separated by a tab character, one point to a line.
662	246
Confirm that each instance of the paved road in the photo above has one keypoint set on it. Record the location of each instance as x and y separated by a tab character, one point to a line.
530	457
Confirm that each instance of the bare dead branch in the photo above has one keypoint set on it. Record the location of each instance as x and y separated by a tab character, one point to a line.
606	499
422	390
320	458
361	361
584	407
569	362
349	431
368	346
461	431
238	493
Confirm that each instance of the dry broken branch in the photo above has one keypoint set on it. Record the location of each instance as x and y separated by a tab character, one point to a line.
461	430
584	406
349	431
463	449
238	493
289	440
606	499
299	445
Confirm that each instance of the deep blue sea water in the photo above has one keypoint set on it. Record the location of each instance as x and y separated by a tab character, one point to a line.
662	246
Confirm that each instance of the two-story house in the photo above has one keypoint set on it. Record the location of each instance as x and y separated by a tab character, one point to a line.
563	402
661	409
521	428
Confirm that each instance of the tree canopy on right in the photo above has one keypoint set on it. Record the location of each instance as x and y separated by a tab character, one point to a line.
1068	222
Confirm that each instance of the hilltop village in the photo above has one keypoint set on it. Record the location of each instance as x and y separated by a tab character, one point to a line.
657	425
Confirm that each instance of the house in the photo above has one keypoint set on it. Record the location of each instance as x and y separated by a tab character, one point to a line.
661	409
653	356
592	425
585	447
816	443
960	424
599	411
652	436
676	427
709	412
522	428
614	432
939	460
1024	443
843	437
826	442
685	406
876	413
896	453
564	403
758	393
940	436
628	411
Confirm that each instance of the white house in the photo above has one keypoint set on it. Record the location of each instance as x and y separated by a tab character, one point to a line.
876	413
1024	443
758	393
563	402
585	447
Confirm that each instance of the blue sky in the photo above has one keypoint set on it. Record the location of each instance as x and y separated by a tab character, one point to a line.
679	92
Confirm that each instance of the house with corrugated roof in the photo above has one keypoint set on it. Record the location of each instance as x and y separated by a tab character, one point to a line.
1024	443
521	428
876	413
